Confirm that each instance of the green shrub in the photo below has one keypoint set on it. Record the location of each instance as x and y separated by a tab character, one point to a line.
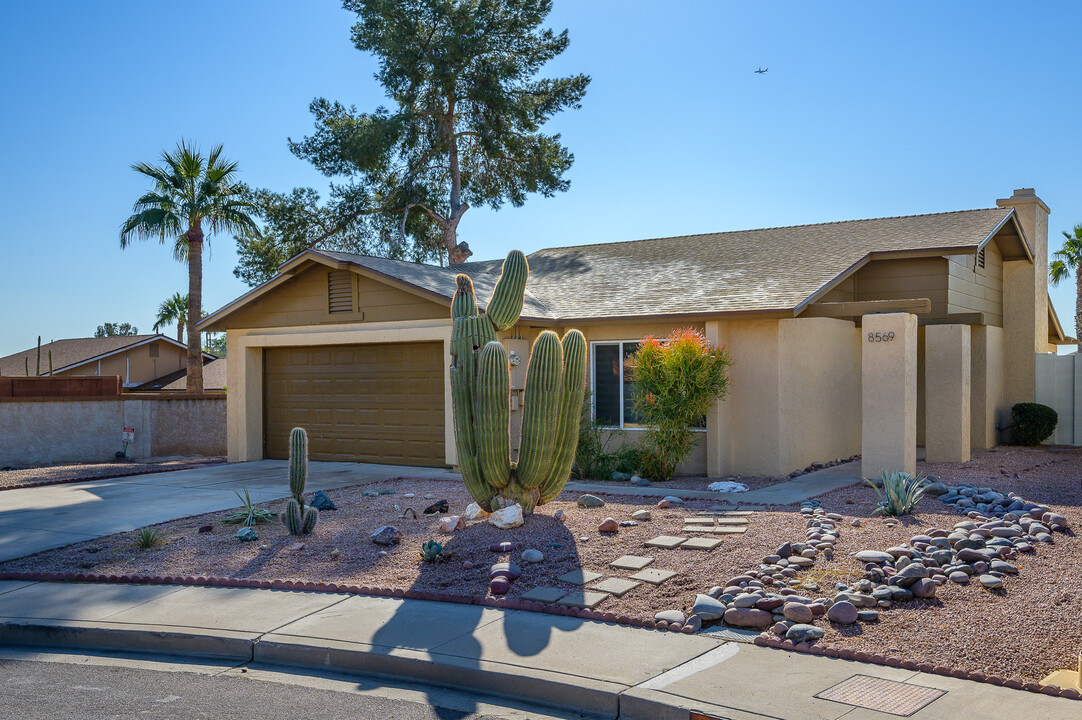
628	460
677	382
901	493
1033	423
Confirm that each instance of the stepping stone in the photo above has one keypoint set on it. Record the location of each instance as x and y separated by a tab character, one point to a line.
653	576
616	586
666	541
631	562
700	521
544	594
736	527
583	599
701	543
729	530
579	577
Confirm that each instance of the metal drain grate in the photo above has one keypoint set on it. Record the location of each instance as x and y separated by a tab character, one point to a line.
888	696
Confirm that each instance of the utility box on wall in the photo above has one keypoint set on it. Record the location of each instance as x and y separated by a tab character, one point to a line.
518	352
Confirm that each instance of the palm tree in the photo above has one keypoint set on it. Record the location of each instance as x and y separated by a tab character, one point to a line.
1068	259
189	190
173	310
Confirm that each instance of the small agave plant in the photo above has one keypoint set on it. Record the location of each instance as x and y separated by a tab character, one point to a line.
432	551
901	493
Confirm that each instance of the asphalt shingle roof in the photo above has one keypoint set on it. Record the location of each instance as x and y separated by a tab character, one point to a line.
66	353
214	373
773	269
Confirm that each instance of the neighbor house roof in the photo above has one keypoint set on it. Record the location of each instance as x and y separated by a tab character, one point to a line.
73	352
214	372
773	270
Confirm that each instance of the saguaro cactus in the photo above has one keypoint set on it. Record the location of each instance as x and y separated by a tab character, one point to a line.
299	519
481	397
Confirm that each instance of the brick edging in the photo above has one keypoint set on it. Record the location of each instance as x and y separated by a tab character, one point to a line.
89	478
504	603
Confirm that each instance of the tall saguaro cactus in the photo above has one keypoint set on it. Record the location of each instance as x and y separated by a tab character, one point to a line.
299	520
481	397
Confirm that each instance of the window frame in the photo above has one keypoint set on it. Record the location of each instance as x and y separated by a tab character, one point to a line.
623	426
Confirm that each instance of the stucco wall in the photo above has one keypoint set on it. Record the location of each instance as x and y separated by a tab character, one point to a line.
75	430
819	381
988	404
1059	386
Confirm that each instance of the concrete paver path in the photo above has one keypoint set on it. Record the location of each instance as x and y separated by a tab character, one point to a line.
36	519
611	671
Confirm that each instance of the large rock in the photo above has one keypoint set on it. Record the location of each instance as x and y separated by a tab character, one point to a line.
508	517
608	525
923	588
387	535
707	607
590	501
843	613
670	616
803	632
797	612
321	502
640	515
748	617
874	556
451	523
533	556
474	511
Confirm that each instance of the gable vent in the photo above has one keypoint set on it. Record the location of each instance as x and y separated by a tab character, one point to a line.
154	350
980	258
340	291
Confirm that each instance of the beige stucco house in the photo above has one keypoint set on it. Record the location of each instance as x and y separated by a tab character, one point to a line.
355	348
136	359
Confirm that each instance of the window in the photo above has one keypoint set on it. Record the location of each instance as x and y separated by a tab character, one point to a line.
340	291
614	399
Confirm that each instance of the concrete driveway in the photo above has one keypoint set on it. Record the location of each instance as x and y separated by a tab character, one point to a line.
36	519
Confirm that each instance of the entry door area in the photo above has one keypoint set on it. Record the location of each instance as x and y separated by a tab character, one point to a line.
379	403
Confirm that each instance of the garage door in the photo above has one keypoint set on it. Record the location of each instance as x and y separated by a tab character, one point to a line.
362	403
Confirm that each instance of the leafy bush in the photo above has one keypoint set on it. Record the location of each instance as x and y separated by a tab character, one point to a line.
901	493
1033	423
591	458
148	537
677	382
251	514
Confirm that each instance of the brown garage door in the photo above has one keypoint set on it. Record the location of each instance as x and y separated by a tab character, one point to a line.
363	403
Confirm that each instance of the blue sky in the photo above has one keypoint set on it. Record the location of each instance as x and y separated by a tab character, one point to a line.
869	109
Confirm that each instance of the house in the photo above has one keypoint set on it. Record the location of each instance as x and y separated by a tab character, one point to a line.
136	359
214	372
355	349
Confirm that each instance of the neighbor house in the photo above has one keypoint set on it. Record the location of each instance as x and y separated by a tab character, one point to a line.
355	349
136	359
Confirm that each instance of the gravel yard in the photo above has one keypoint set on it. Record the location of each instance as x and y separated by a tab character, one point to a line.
1027	628
46	474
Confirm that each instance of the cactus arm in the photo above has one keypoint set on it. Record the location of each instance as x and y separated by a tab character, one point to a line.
464	302
544	382
567	437
507	297
298	464
493	415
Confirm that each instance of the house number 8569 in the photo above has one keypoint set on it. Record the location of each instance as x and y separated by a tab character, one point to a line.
880	337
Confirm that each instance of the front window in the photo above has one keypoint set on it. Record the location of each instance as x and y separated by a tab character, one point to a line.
614	398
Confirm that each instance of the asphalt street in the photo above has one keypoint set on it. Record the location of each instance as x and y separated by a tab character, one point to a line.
51	686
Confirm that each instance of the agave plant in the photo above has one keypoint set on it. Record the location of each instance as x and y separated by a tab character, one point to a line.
146	538
901	493
250	514
432	551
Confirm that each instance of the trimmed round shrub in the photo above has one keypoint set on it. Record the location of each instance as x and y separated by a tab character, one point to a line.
1033	423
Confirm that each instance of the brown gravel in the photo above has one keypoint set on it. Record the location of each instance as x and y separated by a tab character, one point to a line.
1028	629
45	474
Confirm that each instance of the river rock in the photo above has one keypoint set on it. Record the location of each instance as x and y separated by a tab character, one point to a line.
958	577
802	632
590	501
843	612
670	616
707	607
797	612
673	500
532	556
991	582
608	525
923	588
499	585
874	556
508	570
640	515
748	617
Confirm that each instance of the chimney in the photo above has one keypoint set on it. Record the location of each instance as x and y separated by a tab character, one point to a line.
1025	297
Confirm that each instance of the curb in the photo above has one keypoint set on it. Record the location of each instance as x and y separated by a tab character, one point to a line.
272	650
89	478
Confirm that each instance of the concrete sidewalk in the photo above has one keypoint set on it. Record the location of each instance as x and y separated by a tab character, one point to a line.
606	670
36	519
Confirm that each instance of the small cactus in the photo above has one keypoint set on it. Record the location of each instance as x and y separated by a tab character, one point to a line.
432	551
299	520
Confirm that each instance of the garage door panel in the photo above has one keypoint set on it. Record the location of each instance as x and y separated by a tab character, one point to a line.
366	403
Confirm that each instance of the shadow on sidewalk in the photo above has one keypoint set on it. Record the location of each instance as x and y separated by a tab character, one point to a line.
518	634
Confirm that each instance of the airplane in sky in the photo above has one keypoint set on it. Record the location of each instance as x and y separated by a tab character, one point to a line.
762	70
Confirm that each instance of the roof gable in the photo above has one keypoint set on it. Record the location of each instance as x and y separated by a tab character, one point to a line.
74	352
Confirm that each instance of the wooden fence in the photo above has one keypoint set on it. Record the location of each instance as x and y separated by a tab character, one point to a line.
51	386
